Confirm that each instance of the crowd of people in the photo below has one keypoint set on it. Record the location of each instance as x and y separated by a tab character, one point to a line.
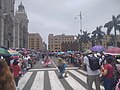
101	69
13	67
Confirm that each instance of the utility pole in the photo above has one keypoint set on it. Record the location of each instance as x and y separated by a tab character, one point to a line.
80	23
81	31
80	18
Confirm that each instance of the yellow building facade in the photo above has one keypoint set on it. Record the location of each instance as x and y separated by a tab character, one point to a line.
55	41
35	42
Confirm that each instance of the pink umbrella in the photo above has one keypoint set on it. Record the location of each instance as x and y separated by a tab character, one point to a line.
113	51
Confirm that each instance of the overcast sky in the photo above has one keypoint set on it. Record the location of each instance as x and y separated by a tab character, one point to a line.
58	16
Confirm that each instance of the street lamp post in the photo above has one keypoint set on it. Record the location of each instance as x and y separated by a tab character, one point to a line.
80	18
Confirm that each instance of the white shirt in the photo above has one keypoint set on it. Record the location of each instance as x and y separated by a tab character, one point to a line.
89	71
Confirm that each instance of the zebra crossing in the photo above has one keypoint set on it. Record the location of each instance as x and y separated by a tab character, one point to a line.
48	80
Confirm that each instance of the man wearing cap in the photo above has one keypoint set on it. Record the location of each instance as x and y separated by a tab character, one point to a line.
92	76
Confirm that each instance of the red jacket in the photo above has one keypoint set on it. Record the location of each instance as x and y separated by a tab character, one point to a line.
16	70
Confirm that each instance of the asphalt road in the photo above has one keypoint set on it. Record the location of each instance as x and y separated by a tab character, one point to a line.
39	64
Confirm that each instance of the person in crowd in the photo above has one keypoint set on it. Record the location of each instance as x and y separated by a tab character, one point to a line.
99	56
80	59
26	63
118	85
46	61
75	60
6	78
108	72
43	56
64	69
16	71
92	76
61	66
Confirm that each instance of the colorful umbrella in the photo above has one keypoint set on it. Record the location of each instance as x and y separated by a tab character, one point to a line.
97	48
4	52
13	52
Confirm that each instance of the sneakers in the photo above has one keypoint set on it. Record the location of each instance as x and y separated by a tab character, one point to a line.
65	76
60	76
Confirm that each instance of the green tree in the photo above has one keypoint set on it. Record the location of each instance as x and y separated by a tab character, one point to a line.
98	35
93	40
113	25
84	38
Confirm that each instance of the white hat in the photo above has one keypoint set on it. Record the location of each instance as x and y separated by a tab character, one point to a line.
118	60
98	54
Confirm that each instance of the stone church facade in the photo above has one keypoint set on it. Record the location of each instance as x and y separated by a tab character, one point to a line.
13	26
21	28
6	22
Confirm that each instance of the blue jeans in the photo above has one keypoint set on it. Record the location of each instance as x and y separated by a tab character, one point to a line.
107	83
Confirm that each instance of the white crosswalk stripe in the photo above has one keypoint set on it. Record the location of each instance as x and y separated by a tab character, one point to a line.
38	82
55	83
73	83
79	75
83	78
24	80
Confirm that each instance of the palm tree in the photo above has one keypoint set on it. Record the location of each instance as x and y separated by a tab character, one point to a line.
84	38
113	25
93	40
98	35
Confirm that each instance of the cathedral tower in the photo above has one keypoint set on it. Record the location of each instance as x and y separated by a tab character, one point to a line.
21	28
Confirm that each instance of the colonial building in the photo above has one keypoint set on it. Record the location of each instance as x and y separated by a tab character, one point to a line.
105	40
6	22
108	40
54	42
35	42
86	45
20	32
69	46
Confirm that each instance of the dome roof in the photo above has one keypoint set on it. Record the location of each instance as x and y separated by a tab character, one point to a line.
21	7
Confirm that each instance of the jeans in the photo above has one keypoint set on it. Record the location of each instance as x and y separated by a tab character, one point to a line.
16	80
107	83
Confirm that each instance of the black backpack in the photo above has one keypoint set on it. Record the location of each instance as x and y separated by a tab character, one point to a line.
94	63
